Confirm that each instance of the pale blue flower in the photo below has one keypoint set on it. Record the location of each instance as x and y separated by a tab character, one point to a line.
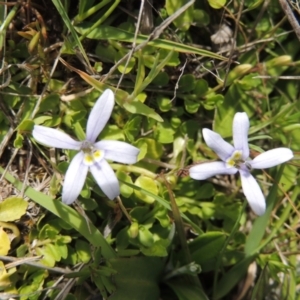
237	159
92	155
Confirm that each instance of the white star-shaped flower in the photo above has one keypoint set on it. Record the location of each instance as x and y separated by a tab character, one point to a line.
92	155
236	159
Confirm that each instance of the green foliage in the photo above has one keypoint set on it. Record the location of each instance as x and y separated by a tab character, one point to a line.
184	21
145	270
168	236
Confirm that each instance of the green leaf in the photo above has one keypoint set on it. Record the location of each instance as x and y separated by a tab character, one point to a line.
122	239
62	249
12	209
48	256
112	132
126	191
191	106
145	237
252	4
125	67
99	283
162	79
164	103
128	252
55	251
18	142
185	19
217	4
137	107
22	250
187	83
157	249
164	133
206	191
213	100
206	248
184	290
33	285
165	204
155	70
64	15
142	270
140	76
235	100
190	128
48	231
201	87
260	224
50	102
71	258
200	18
139	213
147	184
104	32
83	251
132	128
232	277
154	149
162	216
25	125
4	275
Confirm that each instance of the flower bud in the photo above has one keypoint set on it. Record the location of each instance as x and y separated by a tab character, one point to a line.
133	230
283	60
237	72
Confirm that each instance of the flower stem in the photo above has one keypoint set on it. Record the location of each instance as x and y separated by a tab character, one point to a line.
123	209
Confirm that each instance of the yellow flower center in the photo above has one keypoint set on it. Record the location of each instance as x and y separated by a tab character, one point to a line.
235	160
91	154
91	157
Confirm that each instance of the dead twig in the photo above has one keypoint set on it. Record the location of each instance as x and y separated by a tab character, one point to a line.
290	15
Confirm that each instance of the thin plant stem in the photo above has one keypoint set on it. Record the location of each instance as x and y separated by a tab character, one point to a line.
123	209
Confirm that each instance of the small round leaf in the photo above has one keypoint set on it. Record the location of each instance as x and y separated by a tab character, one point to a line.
12	209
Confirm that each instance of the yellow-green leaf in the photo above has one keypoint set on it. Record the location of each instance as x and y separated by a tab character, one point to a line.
217	3
34	42
4	242
12	209
147	184
4	277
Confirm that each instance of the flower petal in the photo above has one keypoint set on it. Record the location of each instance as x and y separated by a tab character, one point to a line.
106	179
99	115
253	193
74	179
240	133
54	138
271	158
209	169
118	151
216	143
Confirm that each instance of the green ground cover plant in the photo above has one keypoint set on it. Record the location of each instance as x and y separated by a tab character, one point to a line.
167	70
